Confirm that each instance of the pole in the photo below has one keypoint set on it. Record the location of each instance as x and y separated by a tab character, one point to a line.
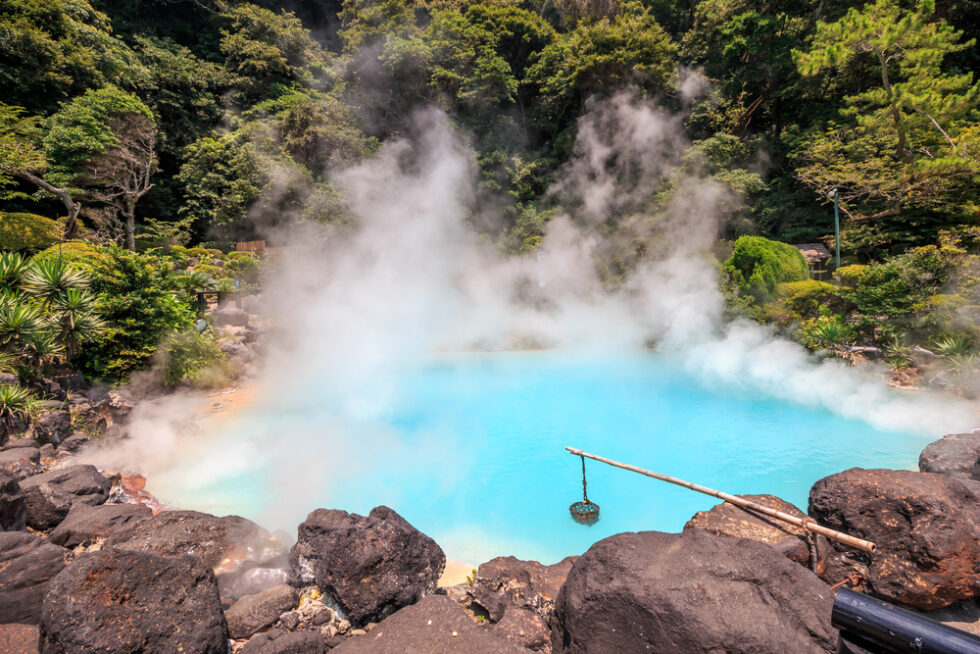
836	232
804	523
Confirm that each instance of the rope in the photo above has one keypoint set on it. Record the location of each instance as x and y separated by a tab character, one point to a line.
585	496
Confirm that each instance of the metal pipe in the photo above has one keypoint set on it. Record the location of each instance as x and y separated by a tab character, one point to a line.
881	625
805	523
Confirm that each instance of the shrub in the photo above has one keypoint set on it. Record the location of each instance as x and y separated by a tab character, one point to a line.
187	355
757	265
16	401
27	231
237	254
211	271
243	268
825	331
805	298
850	275
82	255
204	254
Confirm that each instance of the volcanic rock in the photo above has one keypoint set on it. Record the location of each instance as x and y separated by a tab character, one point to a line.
435	625
792	542
926	527
52	427
50	495
73	443
120	602
370	565
21	462
255	612
13	504
26	564
278	641
956	455
85	524
506	582
11	424
229	316
524	628
14	443
18	639
690	592
224	544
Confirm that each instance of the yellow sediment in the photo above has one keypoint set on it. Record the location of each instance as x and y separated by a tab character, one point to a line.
223	404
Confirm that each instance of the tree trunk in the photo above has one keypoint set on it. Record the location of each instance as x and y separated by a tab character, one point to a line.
129	213
72	207
896	114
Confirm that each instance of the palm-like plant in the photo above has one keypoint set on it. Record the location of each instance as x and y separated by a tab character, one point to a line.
51	279
8	363
76	318
13	269
42	349
16	401
959	352
18	321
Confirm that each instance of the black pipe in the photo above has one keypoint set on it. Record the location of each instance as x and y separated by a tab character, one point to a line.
880	625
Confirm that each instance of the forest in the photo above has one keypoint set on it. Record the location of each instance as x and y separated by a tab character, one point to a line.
146	133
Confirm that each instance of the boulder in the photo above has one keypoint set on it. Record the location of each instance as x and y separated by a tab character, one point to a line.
73	443
14	443
253	613
690	592
524	628
11	425
926	527
18	638
52	427
792	542
253	577
119	602
21	462
224	544
506	582
229	316
13	504
86	524
236	349
435	625
370	565
279	641
956	455
26	564
50	495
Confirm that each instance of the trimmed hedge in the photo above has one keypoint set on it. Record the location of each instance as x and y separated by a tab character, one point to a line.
757	265
27	231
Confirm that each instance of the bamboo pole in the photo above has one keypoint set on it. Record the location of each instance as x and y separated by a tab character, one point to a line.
805	523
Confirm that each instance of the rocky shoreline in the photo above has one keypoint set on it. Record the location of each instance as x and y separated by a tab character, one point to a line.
90	562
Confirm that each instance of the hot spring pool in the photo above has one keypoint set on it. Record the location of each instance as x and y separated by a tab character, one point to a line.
470	449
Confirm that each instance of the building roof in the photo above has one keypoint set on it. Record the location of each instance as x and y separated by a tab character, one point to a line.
813	252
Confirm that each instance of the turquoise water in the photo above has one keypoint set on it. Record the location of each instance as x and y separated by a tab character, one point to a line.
470	449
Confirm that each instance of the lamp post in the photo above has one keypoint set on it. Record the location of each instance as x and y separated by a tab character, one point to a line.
833	194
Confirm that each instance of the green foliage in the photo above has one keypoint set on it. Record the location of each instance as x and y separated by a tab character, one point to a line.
17	401
27	231
138	308
757	265
82	255
805	299
188	356
850	275
245	269
825	331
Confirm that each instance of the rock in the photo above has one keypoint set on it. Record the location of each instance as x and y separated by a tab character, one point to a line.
13	504
371	566
251	578
8	379
224	544
52	388
47	451
236	349
21	462
278	641
690	592
85	524
253	613
290	619
52	427
926	527
435	625
524	628
18	639
14	443
26	564
956	455
229	316
119	602
73	443
11	425
50	495
507	581
792	542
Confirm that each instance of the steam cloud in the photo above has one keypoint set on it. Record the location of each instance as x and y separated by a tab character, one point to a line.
354	309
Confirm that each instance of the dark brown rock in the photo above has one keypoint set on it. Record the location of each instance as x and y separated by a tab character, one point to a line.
278	641
435	625
26	564
956	455
85	524
524	628
370	565
73	443
507	581
222	543
21	462
14	443
13	504
691	592
50	495
121	602
253	613
926	527
18	639
792	542
52	427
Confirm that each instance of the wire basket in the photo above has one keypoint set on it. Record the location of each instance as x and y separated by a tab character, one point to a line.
585	512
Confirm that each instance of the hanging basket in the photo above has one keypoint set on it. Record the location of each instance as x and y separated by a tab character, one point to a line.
585	512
